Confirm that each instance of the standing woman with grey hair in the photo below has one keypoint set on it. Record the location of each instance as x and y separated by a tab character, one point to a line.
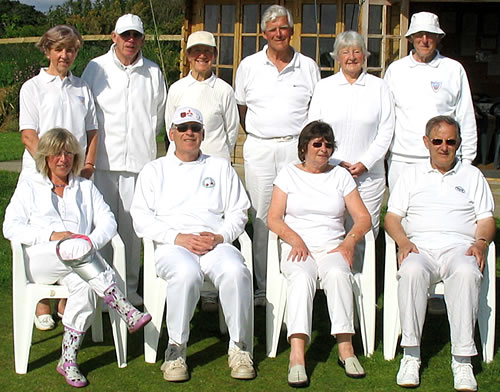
57	98
359	108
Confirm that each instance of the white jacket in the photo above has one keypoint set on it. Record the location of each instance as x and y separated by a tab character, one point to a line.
130	104
31	217
172	197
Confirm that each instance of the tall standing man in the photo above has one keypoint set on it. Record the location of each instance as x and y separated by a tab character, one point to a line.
447	209
426	84
130	97
273	89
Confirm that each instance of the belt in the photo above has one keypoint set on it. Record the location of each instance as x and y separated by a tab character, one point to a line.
276	139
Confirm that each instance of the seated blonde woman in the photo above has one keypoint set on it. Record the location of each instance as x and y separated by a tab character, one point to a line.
307	212
62	219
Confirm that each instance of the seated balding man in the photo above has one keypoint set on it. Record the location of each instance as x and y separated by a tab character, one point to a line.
194	206
447	209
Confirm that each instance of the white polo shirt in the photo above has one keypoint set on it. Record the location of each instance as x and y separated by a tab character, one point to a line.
361	115
172	197
425	90
441	210
214	98
315	205
277	102
47	101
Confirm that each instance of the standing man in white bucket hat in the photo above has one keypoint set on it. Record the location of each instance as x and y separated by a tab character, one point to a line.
425	84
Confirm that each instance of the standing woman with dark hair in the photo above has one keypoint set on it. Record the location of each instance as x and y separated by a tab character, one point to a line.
57	98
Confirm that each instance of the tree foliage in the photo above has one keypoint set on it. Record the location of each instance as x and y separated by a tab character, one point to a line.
99	16
89	16
18	20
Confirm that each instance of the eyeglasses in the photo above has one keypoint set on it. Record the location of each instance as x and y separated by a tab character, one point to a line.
66	154
449	142
133	33
185	127
319	144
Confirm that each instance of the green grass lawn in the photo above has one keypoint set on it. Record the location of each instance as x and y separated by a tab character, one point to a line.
207	357
11	147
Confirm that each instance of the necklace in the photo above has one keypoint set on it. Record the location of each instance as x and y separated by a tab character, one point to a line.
59	185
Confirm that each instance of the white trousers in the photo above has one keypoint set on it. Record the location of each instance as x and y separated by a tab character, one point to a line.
462	280
44	267
263	158
117	188
335	279
185	272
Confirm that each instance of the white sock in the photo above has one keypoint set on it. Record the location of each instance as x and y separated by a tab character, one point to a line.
412	352
461	359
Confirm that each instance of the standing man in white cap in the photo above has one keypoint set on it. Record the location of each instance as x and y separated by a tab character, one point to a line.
130	97
194	206
273	90
202	89
426	84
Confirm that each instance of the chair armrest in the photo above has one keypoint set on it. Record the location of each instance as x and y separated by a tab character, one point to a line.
391	262
19	279
119	262
273	257
246	249
149	260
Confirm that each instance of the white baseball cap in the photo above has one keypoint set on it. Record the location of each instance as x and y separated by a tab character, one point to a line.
129	22
424	21
187	114
200	38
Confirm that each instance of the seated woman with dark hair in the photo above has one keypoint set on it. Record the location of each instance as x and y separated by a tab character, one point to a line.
62	219
307	212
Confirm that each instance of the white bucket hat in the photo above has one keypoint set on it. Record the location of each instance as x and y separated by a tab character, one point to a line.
129	22
200	38
424	21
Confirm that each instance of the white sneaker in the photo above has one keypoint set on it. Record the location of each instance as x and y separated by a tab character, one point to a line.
463	376
175	368
408	375
209	304
241	364
44	322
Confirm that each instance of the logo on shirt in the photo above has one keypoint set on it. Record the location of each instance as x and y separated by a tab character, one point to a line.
436	86
82	99
460	189
208	182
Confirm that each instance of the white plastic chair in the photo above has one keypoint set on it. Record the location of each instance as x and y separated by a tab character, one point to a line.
487	308
155	294
364	295
26	295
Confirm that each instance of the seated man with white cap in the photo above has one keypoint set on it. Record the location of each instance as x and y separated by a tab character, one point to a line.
194	206
202	89
425	84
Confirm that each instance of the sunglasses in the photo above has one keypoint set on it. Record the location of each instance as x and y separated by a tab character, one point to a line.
185	127
449	142
319	144
133	33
